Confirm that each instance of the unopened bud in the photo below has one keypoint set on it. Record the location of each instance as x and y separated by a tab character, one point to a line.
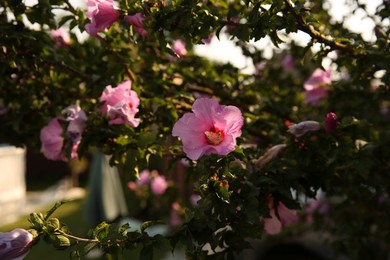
269	155
36	220
330	122
53	224
303	128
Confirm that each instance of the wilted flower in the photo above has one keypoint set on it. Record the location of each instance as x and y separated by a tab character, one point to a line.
316	86
102	15
158	185
303	128
120	104
179	48
211	128
60	37
136	20
77	122
271	154
281	216
15	245
330	122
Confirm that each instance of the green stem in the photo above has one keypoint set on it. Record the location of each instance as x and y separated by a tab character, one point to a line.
79	238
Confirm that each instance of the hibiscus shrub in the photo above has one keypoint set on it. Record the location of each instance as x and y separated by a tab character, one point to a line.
223	156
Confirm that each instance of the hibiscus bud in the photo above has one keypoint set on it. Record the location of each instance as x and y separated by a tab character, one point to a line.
53	224
331	122
269	155
303	128
36	220
62	241
15	244
179	48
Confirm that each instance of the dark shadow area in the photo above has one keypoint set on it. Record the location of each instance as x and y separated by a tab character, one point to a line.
290	251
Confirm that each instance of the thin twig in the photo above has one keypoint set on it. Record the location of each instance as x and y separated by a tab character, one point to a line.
79	238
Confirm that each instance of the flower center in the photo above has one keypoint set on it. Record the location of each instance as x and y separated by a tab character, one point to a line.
214	136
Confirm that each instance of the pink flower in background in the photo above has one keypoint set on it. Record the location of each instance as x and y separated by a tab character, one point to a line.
317	206
52	141
281	216
3	110
194	199
316	87
303	127
120	104
179	48
60	37
144	178
77	122
175	219
288	62
15	244
102	15
211	128
136	20
232	24
330	122
158	185
208	39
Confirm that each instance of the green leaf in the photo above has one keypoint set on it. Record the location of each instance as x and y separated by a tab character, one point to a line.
148	224
146	138
88	247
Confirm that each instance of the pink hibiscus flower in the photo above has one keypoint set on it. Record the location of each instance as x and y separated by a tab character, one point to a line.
320	207
120	104
211	128
316	87
137	20
102	15
179	47
158	185
60	37
52	141
15	244
77	122
284	217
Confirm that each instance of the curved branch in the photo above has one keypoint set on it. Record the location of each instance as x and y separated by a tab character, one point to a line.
309	29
